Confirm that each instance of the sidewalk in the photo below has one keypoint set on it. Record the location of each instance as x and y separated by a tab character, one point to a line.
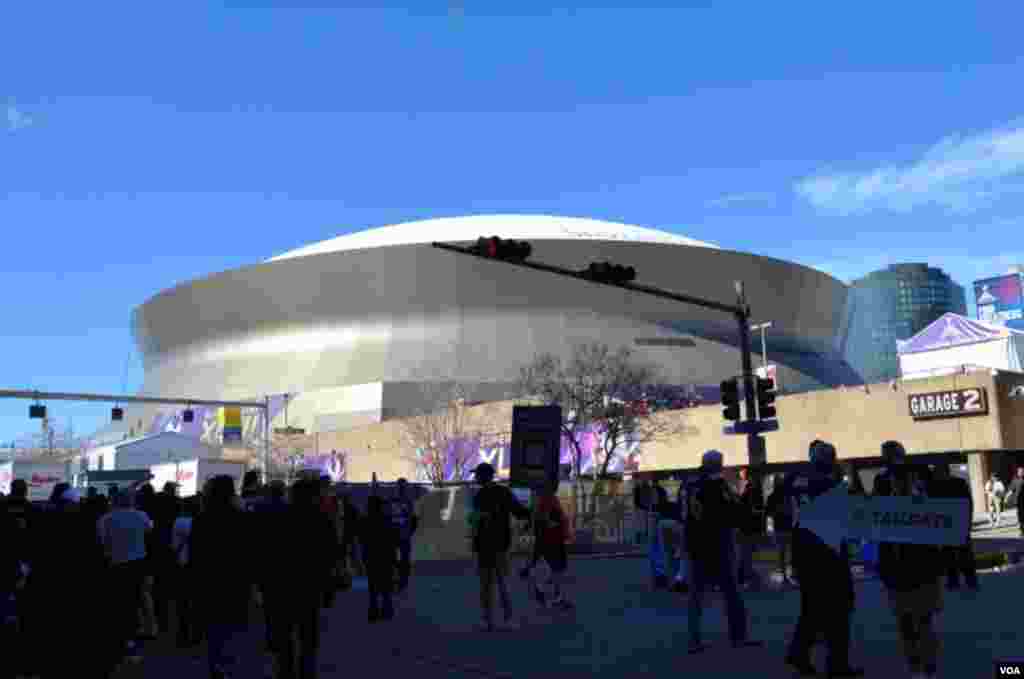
620	628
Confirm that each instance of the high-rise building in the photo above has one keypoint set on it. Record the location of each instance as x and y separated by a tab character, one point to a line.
894	304
1000	300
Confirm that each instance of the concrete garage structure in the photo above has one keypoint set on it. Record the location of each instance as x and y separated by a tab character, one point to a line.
355	326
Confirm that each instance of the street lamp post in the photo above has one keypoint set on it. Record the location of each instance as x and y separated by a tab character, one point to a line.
764	344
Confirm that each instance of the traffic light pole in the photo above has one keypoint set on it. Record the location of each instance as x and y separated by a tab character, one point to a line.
741	311
755	442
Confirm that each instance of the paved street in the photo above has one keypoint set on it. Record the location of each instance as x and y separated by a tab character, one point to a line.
620	627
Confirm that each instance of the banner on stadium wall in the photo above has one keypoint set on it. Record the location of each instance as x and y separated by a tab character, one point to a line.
231	424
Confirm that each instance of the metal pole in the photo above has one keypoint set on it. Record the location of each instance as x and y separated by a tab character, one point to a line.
65	396
266	439
754	442
764	346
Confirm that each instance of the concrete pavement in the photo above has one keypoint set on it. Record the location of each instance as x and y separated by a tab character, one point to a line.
620	627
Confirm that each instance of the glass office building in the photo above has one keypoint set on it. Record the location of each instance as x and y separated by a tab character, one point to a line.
894	304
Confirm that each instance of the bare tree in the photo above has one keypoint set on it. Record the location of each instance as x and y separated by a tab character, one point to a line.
444	432
601	392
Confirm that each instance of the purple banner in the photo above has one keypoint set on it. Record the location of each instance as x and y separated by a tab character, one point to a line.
463	455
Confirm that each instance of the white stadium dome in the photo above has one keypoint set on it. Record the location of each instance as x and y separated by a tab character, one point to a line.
358	323
511	227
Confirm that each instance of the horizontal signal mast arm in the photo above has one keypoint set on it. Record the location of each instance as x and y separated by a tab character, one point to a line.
108	398
645	289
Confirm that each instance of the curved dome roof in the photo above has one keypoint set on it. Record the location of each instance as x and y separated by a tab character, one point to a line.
516	227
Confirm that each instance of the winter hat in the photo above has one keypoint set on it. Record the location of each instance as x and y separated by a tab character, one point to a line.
712	461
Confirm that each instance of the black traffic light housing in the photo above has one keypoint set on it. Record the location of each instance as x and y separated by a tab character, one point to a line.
37	411
765	398
606	272
187	416
506	250
116	414
731	399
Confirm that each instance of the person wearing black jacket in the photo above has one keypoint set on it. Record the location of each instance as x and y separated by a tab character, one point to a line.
751	527
222	557
711	518
826	584
380	539
959	559
310	548
909	572
166	507
494	506
271	518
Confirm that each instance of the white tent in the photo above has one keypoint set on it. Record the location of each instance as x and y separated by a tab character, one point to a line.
954	344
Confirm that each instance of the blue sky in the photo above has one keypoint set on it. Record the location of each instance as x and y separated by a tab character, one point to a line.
141	146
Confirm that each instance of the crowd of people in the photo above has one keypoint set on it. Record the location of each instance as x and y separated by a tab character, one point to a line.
132	555
138	553
705	538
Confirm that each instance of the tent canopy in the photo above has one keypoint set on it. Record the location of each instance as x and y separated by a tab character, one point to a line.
952	330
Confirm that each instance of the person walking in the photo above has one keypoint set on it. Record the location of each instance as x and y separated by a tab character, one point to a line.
493	508
350	551
679	582
780	512
750	529
184	600
406	521
712	517
826	583
298	575
166	509
222	555
656	555
380	539
910	573
959	559
330	507
995	492
551	528
1013	494
669	538
123	534
643	496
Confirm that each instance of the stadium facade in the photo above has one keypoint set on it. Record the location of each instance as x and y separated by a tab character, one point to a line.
355	327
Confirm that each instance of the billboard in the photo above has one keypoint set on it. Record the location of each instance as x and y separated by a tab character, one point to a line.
231	421
1000	300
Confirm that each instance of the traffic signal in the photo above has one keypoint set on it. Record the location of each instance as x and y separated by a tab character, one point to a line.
605	272
116	414
765	398
731	399
507	250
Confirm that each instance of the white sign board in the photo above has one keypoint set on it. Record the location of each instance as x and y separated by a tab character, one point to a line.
836	516
910	520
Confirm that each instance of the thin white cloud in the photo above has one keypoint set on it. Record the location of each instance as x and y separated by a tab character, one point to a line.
960	174
740	198
17	119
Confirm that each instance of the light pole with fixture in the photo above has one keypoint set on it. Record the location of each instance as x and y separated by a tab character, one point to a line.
764	344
